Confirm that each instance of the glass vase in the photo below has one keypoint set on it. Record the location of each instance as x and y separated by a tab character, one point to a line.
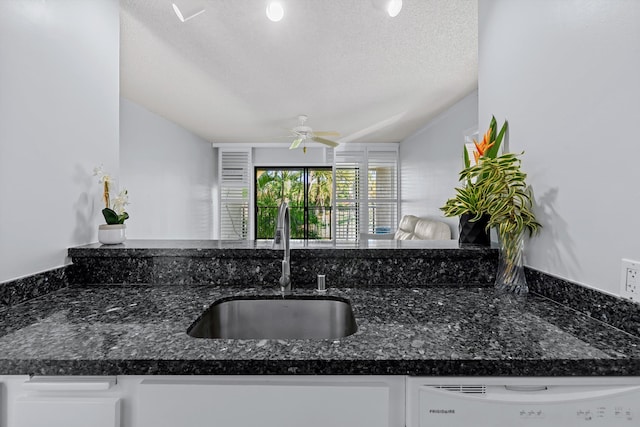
510	277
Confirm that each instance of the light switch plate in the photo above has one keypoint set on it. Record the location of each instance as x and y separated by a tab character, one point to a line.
630	280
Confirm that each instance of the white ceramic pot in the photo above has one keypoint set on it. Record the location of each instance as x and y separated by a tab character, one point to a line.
112	234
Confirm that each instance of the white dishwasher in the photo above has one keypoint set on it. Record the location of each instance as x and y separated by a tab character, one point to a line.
523	401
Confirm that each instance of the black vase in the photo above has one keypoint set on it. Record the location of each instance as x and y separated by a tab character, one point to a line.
474	232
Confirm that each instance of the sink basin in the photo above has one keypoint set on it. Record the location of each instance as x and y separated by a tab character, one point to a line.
276	318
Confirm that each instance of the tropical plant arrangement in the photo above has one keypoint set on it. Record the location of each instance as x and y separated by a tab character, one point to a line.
113	212
496	187
473	221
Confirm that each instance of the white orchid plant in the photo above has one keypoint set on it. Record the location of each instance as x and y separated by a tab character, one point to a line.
113	212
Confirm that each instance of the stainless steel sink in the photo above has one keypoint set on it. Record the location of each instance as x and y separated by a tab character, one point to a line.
276	318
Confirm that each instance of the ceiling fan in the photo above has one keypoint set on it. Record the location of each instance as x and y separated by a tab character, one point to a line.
303	133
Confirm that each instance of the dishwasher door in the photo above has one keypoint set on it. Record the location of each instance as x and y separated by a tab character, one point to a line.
507	402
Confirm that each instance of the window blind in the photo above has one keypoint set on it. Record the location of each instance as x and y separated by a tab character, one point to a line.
235	193
349	167
382	184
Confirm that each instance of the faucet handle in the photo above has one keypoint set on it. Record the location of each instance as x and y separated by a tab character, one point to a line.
277	239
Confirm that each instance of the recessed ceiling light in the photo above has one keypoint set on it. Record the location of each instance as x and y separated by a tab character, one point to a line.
275	11
394	7
390	7
181	17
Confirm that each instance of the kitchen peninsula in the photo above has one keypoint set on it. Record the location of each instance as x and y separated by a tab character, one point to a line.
128	307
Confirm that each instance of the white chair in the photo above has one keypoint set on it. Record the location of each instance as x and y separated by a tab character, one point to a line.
413	228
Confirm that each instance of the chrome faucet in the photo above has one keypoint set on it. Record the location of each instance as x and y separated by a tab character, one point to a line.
281	240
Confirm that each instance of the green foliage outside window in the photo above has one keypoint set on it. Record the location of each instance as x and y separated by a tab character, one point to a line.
275	185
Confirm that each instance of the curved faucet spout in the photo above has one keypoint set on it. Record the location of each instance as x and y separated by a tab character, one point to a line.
282	241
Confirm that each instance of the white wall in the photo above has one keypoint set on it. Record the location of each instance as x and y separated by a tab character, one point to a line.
566	76
431	159
59	68
168	172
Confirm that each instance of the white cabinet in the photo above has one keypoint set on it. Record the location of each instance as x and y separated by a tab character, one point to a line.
62	402
316	401
271	401
67	412
198	401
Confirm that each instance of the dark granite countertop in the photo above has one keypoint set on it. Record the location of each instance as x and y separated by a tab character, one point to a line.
238	263
139	329
253	248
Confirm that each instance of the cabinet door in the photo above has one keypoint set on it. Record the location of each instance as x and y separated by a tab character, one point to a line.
211	404
62	401
66	412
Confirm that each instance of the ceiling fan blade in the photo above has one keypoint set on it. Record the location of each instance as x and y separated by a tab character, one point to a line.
326	133
296	142
325	141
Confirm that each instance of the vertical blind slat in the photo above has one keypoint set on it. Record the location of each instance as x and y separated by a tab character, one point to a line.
234	194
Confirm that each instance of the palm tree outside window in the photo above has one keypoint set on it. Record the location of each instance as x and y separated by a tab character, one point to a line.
308	192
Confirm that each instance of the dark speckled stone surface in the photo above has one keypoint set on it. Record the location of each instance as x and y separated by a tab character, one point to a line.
138	329
375	262
422	308
17	291
616	311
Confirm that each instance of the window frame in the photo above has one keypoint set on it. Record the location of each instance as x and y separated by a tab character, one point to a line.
361	157
305	183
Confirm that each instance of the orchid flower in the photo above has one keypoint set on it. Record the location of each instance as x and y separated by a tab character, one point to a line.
113	213
102	176
105	180
120	201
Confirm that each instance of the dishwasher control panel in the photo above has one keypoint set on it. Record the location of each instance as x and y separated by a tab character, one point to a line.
432	403
609	414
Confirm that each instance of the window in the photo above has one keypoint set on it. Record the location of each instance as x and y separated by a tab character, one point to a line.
348	170
358	195
366	192
382	182
308	192
234	194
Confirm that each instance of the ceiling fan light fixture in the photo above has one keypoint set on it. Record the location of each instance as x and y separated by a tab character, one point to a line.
302	134
181	17
275	11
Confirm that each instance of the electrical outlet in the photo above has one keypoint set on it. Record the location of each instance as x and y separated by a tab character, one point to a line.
630	280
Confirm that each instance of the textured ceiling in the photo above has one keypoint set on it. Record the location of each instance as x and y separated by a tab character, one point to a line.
231	75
